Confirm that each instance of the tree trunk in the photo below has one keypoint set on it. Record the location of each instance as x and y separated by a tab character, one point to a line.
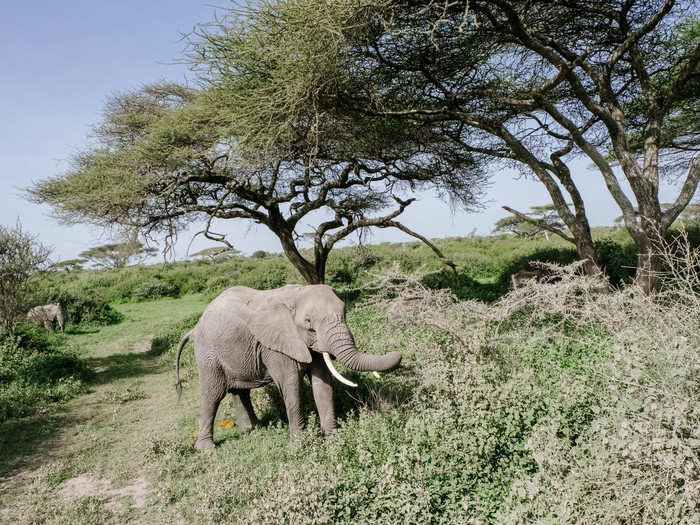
586	250
308	270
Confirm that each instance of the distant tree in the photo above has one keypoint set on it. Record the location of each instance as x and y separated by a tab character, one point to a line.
22	258
217	253
118	255
539	220
69	265
259	254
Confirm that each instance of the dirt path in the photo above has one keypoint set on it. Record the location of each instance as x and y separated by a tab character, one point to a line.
92	459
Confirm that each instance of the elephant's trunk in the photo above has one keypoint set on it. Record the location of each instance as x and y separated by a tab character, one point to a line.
337	340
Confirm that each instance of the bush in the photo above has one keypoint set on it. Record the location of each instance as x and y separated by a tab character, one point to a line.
38	372
273	274
554	405
219	283
87	309
618	260
154	289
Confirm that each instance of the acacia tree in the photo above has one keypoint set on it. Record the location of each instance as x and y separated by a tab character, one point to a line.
540	83
540	219
181	161
117	255
531	84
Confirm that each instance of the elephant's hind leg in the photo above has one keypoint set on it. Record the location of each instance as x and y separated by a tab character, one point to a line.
212	391
247	420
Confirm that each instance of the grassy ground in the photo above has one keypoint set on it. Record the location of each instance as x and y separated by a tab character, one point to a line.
103	435
553	404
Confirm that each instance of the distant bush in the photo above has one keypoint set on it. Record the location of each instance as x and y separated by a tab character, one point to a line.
37	372
83	308
154	289
562	256
618	260
219	283
485	265
273	274
259	254
168	337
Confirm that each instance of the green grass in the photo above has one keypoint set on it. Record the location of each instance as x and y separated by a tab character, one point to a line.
485	265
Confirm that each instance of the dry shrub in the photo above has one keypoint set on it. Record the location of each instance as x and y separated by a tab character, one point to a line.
633	454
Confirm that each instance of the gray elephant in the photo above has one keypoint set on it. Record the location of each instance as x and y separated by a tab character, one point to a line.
46	315
249	338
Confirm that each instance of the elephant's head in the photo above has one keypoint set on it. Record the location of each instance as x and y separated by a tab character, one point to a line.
312	318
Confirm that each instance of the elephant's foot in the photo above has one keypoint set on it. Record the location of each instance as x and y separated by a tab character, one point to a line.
329	429
247	427
204	444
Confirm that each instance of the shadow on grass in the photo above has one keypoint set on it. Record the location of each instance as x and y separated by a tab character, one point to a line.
119	366
81	330
20	438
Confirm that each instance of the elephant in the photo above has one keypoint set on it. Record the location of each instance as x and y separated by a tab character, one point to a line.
45	315
249	338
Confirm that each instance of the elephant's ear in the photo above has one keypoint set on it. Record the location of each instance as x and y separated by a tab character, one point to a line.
274	327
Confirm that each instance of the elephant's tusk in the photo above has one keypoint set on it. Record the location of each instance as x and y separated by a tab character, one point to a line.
376	374
334	372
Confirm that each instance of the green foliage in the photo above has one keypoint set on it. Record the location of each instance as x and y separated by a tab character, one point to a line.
155	288
168	337
86	308
484	265
36	372
22	258
274	274
618	260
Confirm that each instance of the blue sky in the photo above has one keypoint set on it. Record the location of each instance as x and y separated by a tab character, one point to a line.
60	60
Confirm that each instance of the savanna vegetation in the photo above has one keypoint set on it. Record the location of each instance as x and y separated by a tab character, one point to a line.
571	398
551	402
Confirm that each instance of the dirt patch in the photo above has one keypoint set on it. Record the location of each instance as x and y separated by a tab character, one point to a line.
143	346
87	485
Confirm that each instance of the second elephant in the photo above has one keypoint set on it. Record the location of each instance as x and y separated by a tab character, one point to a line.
248	338
47	315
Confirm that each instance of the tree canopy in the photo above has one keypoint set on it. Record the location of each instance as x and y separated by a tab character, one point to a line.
526	84
179	161
341	109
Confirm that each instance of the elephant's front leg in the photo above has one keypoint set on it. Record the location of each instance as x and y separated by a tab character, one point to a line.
286	373
323	393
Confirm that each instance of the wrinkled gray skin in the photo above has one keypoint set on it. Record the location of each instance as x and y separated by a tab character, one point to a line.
248	338
45	315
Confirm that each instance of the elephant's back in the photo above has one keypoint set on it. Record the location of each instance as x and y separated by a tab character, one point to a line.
234	307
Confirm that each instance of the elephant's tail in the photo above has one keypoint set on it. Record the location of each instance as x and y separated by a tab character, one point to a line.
178	383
